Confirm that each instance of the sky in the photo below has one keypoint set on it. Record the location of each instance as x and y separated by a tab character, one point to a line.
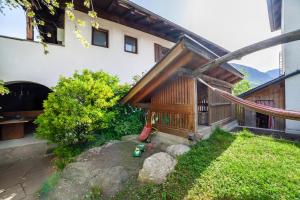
231	24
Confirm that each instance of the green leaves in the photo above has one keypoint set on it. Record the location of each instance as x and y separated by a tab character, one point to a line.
241	87
3	90
79	105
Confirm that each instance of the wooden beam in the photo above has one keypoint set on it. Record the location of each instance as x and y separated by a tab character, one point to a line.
212	79
216	72
158	24
111	5
160	66
29	29
128	13
177	63
232	79
281	39
147	18
224	77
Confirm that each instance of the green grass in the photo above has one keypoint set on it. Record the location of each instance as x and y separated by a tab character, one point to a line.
49	184
226	166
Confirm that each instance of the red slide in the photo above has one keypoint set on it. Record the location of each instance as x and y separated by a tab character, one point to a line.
145	133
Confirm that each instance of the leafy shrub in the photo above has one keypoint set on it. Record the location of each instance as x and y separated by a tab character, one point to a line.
66	154
78	106
128	120
82	112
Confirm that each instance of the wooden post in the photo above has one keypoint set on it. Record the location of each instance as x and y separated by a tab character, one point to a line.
281	39
195	103
29	29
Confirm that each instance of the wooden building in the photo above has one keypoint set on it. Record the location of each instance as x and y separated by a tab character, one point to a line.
272	94
182	104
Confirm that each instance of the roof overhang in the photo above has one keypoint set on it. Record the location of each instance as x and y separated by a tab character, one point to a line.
274	11
187	55
269	83
132	15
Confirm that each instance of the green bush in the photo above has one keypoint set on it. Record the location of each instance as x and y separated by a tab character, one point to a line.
83	112
78	106
128	120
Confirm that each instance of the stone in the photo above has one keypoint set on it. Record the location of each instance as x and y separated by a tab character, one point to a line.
108	167
156	168
110	180
130	138
178	149
93	153
77	181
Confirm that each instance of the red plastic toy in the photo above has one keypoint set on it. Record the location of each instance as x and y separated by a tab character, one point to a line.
145	133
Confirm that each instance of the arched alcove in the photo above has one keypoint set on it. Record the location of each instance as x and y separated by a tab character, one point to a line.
20	107
24	96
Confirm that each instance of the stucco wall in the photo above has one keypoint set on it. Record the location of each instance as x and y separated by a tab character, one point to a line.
24	60
291	53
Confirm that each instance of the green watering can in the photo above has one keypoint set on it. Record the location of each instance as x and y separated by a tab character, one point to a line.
138	150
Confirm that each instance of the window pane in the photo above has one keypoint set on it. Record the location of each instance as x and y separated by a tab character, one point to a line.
130	44
100	38
13	23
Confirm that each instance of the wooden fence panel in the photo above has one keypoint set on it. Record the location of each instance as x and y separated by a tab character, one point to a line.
219	107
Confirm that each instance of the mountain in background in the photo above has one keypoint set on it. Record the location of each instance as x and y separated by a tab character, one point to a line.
254	76
274	73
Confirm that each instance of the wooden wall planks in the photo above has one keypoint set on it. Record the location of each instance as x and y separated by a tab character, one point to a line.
174	106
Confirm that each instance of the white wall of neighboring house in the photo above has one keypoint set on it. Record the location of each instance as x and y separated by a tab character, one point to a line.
291	59
25	60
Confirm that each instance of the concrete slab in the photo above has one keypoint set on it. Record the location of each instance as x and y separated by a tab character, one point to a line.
24	166
28	139
13	150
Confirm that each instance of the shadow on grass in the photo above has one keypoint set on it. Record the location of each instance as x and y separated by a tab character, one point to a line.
189	168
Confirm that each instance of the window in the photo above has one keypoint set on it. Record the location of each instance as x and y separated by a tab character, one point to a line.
100	37
159	52
130	44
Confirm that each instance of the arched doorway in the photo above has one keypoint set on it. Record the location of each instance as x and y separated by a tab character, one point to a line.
20	107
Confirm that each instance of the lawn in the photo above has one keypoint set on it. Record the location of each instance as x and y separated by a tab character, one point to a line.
241	166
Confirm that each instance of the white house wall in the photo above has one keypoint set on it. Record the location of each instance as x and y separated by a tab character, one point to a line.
24	60
291	58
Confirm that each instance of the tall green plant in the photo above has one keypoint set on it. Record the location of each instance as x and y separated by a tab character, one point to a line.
77	106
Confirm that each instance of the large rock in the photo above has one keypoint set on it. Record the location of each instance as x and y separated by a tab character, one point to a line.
178	149
108	167
110	180
156	168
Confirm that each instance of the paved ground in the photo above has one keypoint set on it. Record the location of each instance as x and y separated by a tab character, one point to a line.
22	179
23	167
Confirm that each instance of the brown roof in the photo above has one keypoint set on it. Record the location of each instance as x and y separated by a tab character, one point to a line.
187	55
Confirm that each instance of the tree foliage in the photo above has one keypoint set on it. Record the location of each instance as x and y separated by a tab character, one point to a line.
78	106
241	87
3	89
52	6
